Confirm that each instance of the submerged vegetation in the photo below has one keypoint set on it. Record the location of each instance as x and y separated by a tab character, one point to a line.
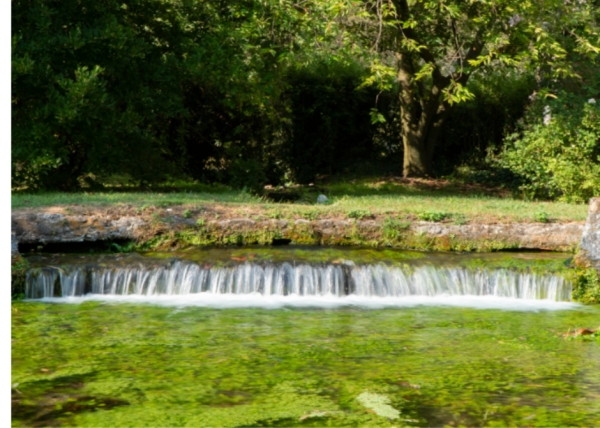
586	285
102	364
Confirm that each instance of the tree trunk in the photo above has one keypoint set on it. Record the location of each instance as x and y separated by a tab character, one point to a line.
419	139
417	163
422	112
422	107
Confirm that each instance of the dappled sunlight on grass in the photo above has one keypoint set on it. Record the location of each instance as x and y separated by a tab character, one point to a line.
422	199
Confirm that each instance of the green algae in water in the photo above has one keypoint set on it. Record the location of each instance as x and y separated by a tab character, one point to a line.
536	262
379	404
302	254
99	364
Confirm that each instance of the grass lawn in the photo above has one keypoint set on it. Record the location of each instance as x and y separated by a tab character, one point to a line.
435	200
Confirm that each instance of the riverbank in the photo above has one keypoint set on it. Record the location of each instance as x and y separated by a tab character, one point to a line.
429	216
437	200
179	226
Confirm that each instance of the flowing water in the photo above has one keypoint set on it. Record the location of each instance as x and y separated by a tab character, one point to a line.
281	337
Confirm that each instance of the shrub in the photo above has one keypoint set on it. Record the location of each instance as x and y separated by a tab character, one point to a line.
586	285
433	216
358	214
558	151
392	228
500	100
542	217
311	215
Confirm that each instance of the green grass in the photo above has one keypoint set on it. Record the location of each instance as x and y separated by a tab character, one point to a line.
364	197
160	199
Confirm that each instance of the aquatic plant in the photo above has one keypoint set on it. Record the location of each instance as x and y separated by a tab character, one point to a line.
102	364
380	404
586	285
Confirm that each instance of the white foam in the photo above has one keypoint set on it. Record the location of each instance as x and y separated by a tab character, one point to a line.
256	300
378	280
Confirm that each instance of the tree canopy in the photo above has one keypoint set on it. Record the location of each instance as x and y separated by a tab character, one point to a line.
265	91
431	48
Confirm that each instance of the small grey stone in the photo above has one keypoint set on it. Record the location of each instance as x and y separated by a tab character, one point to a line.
322	199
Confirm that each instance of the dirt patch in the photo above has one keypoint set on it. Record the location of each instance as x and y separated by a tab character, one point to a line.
447	186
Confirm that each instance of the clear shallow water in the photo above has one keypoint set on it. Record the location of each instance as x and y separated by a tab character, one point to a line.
122	364
227	256
467	354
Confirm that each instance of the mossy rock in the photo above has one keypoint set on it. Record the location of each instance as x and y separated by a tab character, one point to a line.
18	273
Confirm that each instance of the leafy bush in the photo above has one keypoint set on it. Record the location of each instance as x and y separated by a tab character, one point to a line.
433	216
542	217
19	269
500	101
358	214
586	285
311	215
558	151
392	228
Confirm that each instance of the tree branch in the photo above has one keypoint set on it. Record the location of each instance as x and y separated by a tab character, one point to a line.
404	13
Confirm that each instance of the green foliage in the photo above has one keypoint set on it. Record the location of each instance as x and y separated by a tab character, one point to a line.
330	129
311	215
187	214
433	48
393	228
276	214
464	145
84	88
542	217
151	88
433	216
460	219
18	272
586	285
267	91
558	151
358	214
275	367
200	222
124	248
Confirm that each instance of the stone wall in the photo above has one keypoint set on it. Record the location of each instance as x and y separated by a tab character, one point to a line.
46	226
43	227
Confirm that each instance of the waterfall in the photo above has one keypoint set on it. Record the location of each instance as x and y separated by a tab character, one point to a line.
289	279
